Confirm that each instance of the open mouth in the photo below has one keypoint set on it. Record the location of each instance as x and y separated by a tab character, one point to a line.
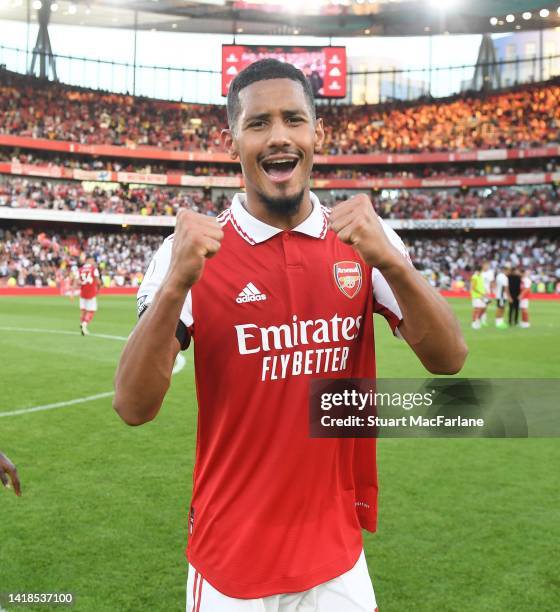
280	169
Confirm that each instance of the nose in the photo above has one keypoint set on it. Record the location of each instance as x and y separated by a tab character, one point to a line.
278	135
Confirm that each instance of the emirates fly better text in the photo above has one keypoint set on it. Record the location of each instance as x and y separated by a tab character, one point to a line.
252	339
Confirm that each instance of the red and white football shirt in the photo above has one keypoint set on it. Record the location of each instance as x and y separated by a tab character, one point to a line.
525	288
88	275
273	510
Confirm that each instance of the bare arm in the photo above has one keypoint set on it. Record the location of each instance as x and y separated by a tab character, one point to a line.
144	371
429	325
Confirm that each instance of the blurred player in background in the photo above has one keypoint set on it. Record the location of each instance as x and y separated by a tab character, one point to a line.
502	296
478	293
524	299
488	279
514	290
89	281
8	473
66	282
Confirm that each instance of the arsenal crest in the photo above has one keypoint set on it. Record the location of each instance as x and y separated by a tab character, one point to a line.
348	277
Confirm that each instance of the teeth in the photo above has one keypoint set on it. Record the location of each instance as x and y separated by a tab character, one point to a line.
280	161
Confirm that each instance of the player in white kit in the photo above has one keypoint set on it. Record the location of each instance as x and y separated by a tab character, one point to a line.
502	297
488	278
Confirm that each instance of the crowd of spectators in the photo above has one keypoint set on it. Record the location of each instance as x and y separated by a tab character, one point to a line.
42	258
473	203
448	262
17	192
36	109
523	117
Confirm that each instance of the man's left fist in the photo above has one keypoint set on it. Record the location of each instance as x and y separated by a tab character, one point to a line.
357	224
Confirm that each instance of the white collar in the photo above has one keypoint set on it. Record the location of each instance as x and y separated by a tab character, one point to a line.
254	231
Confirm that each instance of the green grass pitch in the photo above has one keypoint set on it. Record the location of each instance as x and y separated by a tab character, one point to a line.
465	525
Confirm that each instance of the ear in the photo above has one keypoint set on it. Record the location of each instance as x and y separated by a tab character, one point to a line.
319	135
228	142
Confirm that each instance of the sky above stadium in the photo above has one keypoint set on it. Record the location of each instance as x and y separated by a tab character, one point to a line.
203	52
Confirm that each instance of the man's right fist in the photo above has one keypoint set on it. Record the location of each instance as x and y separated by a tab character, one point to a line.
196	238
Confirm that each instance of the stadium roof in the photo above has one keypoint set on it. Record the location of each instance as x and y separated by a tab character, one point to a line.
312	18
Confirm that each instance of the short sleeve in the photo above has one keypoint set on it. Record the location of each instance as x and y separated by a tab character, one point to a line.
385	302
154	277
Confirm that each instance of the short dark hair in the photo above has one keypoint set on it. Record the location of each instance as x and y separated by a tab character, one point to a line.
264	70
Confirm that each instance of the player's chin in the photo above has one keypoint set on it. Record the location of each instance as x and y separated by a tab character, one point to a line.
286	193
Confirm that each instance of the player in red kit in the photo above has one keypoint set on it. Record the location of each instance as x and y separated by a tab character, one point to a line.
88	278
276	292
524	299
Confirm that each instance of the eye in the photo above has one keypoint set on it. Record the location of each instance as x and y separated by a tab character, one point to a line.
256	124
295	119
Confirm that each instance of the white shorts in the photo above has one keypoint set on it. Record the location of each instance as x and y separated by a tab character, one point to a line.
524	303
478	303
349	592
90	304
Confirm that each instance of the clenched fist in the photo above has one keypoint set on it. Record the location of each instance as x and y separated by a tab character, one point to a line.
196	238
356	223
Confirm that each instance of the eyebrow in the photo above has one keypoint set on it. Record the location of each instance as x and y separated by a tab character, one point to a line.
285	113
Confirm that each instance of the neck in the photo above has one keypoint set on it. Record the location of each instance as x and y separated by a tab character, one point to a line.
262	212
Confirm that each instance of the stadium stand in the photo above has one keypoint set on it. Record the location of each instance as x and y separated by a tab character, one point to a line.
145	200
36	258
523	117
467	183
448	262
33	258
59	195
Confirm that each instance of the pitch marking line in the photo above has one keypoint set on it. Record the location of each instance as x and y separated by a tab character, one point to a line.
179	365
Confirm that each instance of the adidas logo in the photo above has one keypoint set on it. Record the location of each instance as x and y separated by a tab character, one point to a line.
250	294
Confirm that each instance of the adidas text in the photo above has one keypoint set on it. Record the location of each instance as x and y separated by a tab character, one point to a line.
250	298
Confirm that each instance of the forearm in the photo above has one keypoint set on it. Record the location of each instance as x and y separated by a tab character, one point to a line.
429	325
144	372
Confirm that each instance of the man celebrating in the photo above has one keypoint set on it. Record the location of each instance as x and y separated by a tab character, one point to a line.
88	278
275	293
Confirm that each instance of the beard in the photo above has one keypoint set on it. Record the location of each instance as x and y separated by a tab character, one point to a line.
283	205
